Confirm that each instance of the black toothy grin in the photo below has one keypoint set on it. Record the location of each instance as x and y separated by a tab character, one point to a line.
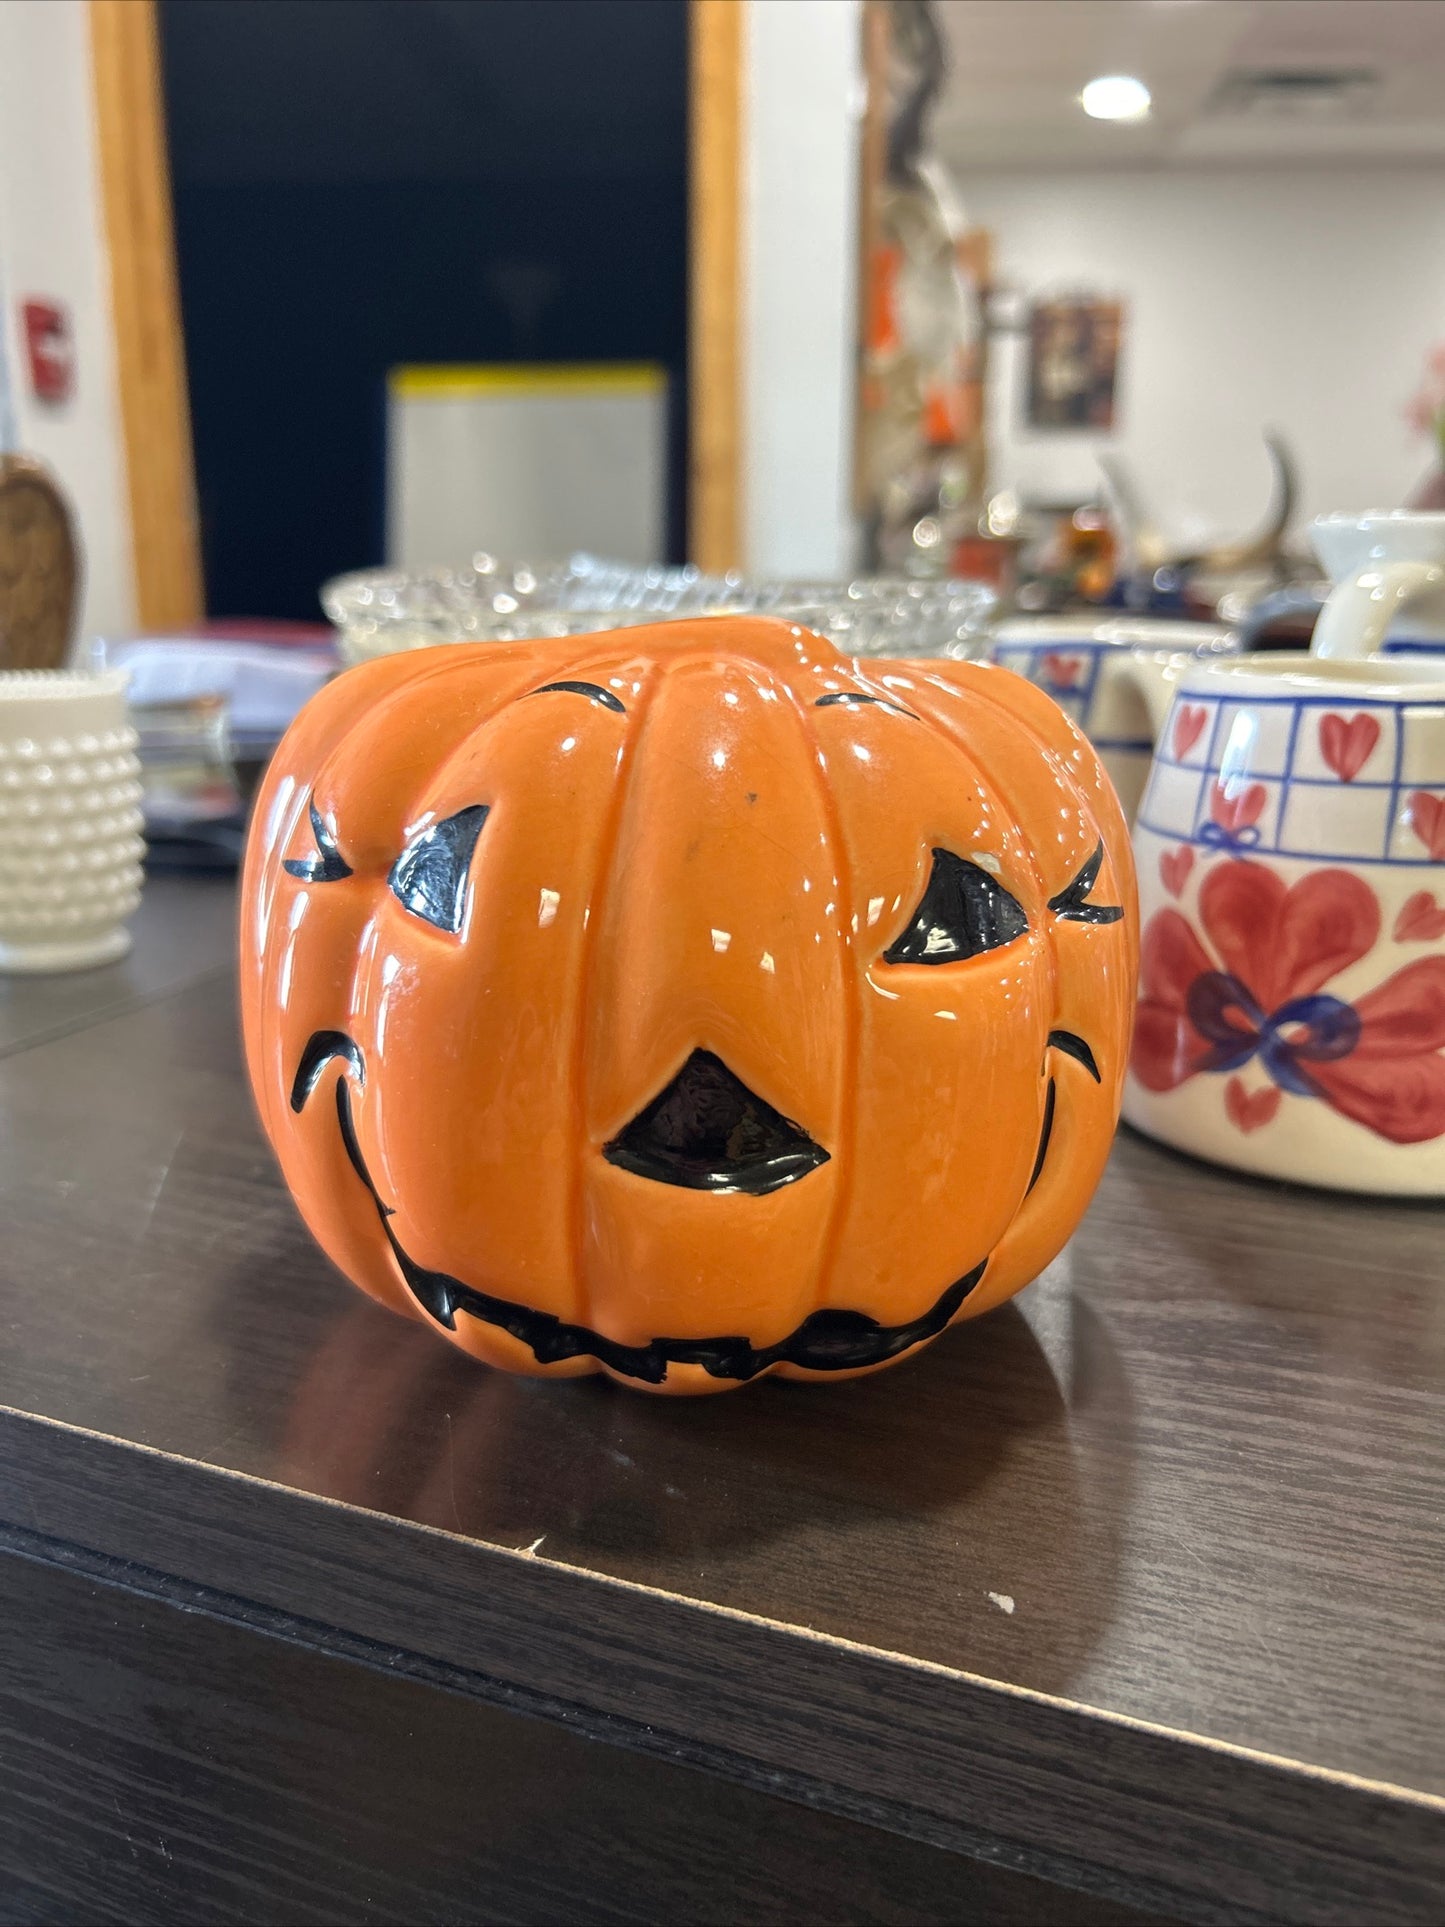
828	1341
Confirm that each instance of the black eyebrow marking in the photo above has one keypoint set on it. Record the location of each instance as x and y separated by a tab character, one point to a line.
1070	901
1073	1045
853	696
328	865
594	693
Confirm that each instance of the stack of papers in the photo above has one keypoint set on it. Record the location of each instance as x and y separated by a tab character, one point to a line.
262	684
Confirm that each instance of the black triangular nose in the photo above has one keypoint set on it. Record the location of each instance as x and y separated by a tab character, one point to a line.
708	1132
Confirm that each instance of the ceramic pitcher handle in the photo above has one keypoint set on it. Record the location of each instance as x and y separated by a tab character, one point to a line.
1357	618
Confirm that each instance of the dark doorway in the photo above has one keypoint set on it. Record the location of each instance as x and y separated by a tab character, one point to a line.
360	183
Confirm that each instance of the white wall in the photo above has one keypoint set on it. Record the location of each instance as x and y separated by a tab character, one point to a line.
803	106
51	244
1302	298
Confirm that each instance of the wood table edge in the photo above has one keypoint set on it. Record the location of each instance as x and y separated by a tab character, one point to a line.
1082	1795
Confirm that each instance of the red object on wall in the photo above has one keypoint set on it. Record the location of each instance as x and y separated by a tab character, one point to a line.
51	349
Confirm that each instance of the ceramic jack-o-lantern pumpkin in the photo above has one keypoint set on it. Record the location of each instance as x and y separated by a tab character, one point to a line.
687	1003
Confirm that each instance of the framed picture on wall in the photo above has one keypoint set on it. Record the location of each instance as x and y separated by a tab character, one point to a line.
1073	362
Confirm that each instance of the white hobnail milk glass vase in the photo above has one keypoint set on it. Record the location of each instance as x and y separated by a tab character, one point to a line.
70	820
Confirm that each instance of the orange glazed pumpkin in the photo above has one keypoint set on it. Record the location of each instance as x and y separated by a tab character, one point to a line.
688	1002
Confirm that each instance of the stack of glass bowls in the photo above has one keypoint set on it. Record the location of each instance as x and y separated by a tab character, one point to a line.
379	612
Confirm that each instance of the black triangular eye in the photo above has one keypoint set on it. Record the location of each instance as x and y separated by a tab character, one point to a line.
964	911
1072	902
328	865
429	878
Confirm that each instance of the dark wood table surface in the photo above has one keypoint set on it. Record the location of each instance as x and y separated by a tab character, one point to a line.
1127	1599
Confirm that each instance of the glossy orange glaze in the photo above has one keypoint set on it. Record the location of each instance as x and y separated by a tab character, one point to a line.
703	854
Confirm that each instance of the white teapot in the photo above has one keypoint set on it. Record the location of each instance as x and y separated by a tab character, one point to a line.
1291	855
1103	671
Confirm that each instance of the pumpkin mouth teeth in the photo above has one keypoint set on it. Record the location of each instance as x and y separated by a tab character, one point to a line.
706	1131
831	1340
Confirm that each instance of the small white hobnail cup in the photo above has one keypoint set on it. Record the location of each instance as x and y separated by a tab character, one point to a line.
70	820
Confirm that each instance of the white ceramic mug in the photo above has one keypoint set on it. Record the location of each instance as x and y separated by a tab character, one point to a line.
70	821
1387	571
1091	666
1291	856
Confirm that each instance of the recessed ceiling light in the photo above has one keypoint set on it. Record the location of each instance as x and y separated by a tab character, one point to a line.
1115	97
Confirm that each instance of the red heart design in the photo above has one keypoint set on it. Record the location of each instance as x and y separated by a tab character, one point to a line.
1174	868
1421	920
1346	746
1189	721
1284	940
1247	1110
1061	672
1426	814
1237	811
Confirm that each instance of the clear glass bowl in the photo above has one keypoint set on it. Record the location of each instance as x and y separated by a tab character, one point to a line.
887	615
379	612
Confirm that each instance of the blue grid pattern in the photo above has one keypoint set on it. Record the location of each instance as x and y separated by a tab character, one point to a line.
1075	699
1208	773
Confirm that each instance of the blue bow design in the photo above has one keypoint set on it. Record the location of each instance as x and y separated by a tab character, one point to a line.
1320	1029
1218	838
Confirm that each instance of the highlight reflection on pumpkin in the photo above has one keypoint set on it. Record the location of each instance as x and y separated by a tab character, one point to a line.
687	1003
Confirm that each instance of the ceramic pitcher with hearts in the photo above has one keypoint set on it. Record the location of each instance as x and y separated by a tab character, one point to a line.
1291	853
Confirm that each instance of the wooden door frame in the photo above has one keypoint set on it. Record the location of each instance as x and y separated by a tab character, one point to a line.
145	311
145	299
716	34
